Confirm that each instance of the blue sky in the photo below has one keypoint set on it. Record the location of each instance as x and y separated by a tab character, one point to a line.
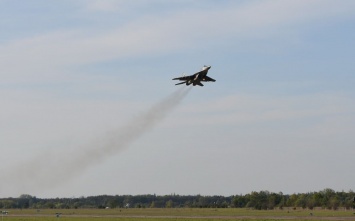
280	116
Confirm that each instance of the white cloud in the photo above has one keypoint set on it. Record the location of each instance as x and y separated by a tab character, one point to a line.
106	5
248	109
125	6
33	119
47	55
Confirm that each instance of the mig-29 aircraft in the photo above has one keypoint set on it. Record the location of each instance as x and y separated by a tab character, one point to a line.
196	78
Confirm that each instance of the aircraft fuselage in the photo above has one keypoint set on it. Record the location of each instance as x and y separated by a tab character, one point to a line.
196	78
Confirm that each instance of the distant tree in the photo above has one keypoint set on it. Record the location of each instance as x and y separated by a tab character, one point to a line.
25	196
49	205
169	204
112	203
271	201
152	205
310	203
327	194
127	201
333	203
291	201
326	198
282	201
258	200
301	201
60	206
8	204
25	201
239	201
76	205
187	204
202	202
318	199
224	204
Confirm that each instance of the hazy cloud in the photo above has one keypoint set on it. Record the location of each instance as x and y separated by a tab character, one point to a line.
61	87
48	168
49	54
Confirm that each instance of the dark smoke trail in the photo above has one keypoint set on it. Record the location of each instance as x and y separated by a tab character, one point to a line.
127	134
49	169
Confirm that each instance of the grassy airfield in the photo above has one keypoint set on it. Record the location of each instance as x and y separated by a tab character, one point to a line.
183	214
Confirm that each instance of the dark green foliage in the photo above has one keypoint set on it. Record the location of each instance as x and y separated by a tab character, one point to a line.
263	200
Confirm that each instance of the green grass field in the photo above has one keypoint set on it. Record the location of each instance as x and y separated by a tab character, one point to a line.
181	214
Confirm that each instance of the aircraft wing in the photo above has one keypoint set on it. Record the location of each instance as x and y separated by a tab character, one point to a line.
185	78
181	83
206	78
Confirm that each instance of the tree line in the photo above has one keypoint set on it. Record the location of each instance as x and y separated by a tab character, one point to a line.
262	200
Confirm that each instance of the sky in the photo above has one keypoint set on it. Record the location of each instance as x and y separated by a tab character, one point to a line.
88	106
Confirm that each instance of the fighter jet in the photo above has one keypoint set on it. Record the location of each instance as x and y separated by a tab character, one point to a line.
196	78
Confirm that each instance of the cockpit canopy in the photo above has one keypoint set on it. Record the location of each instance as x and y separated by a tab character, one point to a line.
205	67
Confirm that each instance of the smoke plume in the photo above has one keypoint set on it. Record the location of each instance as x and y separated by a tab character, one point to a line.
51	168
